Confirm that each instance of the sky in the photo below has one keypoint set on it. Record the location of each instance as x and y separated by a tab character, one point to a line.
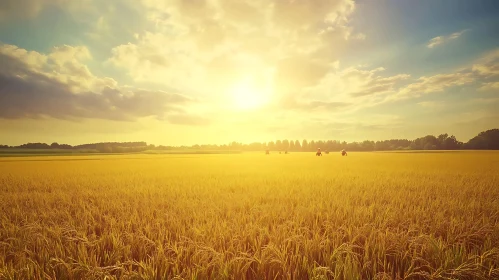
178	72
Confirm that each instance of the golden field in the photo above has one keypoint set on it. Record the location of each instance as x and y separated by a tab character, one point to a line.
251	216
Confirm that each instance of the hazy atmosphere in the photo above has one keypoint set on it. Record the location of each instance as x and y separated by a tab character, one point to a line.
249	139
216	71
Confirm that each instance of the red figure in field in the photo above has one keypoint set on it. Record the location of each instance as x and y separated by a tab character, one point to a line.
318	152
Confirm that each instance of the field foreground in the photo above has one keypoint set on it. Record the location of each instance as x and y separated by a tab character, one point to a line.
251	216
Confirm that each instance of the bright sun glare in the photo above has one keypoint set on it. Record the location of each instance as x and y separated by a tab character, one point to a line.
247	96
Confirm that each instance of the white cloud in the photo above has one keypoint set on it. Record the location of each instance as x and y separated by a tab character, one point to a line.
205	47
488	65
303	86
368	83
64	64
439	40
60	85
210	45
437	83
351	89
378	90
31	58
489	86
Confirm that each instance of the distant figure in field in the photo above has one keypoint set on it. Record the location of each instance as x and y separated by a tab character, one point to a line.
327	152
285	152
344	153
318	152
267	152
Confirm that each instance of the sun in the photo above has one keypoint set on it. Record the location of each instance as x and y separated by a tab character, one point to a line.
247	96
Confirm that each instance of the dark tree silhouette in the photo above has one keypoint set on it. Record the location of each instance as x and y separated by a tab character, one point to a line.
486	140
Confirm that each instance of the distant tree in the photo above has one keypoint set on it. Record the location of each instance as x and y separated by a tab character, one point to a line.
321	144
335	145
304	146
105	148
354	146
235	146
265	145
343	145
441	140
484	140
430	146
161	147
311	146
425	143
297	145
381	146
413	146
278	145
387	145
34	146
271	146
116	149
367	145
431	140
451	143
285	145
256	146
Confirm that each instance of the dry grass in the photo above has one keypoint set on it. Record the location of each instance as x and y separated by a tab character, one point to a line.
251	216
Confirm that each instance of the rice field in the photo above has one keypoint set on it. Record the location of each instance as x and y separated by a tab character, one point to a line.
251	216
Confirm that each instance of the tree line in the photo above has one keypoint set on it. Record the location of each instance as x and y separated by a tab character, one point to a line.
103	147
486	140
